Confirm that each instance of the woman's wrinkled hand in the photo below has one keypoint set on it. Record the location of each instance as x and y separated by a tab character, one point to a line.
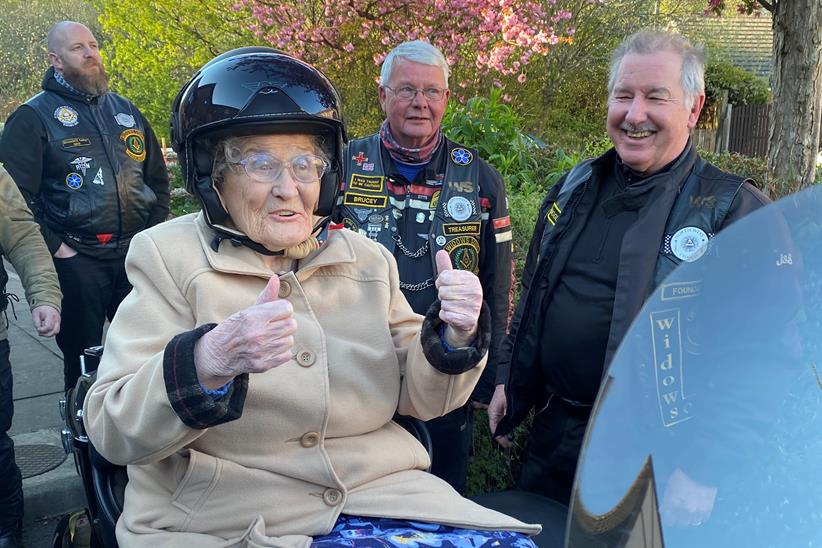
460	295
252	340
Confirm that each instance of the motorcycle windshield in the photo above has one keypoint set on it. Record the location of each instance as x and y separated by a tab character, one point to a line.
708	427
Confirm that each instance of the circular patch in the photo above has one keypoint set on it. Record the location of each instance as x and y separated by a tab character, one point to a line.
67	116
135	144
459	208
440	240
461	156
689	243
74	180
350	224
464	252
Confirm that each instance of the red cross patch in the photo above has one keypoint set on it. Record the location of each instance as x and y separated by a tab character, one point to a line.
359	158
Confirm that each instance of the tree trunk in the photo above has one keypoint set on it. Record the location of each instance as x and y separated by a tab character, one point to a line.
796	115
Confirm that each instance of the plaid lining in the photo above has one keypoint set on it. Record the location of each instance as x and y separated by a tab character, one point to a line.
192	404
458	360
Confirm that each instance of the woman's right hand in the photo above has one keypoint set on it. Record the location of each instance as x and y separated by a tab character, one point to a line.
252	340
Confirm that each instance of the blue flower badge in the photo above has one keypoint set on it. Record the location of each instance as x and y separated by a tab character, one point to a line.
461	156
74	180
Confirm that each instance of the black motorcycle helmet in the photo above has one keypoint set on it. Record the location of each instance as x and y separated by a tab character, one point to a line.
249	91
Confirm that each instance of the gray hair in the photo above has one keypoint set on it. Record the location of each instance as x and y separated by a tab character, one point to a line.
417	51
227	151
646	42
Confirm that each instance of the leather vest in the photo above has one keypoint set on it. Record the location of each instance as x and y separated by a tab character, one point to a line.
4	278
92	189
366	203
689	226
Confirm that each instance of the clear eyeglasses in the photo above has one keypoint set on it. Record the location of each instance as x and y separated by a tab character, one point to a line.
407	93
265	168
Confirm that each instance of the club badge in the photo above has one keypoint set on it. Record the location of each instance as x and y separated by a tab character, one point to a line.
66	116
81	163
461	156
464	251
125	120
440	240
98	179
689	243
74	180
135	144
459	208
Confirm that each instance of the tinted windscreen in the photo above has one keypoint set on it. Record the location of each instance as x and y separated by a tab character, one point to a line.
708	427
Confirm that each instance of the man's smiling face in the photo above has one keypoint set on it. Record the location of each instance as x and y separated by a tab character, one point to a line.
649	117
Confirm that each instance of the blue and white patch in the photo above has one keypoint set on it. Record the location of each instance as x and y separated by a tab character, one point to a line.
125	120
82	163
689	243
459	208
461	156
74	180
66	116
440	240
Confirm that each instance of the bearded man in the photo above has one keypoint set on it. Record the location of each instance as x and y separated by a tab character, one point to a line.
91	170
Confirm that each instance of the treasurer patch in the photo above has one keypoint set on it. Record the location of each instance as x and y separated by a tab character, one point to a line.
459	229
368	183
363	200
135	144
464	251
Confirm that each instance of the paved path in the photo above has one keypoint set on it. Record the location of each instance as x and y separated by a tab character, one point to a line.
38	382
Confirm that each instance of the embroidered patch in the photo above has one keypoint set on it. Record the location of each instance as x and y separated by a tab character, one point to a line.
435	199
104	238
367	183
453	229
125	120
461	156
464	252
81	163
135	144
459	208
466	187
553	214
66	116
74	180
689	243
502	222
76	142
98	179
363	200
360	158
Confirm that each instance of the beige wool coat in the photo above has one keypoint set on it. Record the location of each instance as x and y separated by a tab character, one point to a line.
315	438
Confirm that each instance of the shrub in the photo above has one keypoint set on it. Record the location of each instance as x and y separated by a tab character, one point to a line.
744	88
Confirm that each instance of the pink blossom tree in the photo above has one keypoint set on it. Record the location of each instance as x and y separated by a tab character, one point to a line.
496	38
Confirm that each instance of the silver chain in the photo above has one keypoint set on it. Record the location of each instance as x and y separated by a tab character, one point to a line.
418	286
408	253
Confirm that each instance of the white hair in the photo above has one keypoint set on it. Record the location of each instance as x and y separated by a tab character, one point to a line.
417	51
646	42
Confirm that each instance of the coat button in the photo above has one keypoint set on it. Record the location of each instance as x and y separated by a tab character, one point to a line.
306	358
332	497
310	439
285	289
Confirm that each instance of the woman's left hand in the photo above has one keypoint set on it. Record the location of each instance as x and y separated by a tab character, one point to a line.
460	294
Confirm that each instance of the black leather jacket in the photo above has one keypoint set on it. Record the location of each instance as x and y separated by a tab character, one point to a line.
90	168
643	248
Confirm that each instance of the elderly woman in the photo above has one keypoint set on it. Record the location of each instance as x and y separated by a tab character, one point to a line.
250	378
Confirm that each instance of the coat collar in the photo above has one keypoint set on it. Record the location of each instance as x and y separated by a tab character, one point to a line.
239	259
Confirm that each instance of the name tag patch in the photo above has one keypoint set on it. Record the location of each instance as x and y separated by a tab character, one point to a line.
363	200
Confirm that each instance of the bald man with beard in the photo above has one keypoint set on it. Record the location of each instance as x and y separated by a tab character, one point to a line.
92	171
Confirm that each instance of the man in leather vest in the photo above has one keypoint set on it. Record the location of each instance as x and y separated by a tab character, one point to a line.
607	235
415	191
22	244
90	167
